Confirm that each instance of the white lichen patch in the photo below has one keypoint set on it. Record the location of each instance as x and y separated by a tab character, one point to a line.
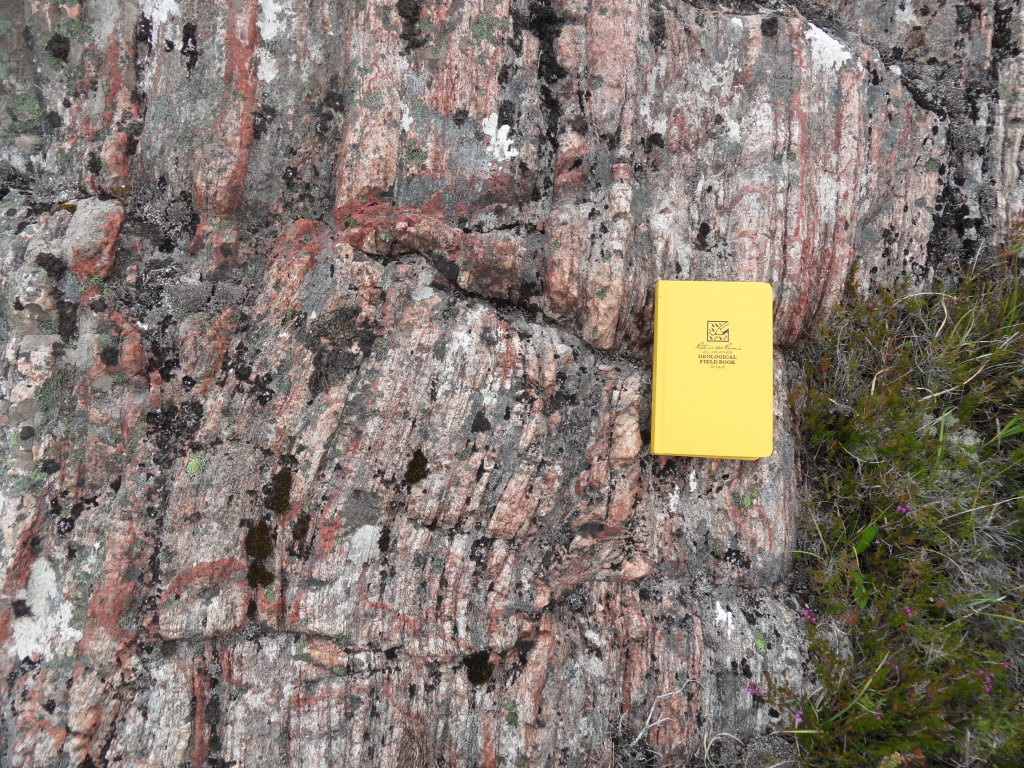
273	18
723	616
827	53
500	147
159	11
673	499
46	631
364	545
266	70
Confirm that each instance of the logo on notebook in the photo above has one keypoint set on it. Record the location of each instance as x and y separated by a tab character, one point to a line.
718	330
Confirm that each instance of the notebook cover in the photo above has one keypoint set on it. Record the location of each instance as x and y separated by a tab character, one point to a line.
712	391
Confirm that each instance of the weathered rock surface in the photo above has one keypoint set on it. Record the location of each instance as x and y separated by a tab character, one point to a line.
326	359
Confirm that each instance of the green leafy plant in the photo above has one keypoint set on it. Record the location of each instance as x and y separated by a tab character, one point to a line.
913	427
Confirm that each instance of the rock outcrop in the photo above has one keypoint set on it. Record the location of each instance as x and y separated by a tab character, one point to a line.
326	364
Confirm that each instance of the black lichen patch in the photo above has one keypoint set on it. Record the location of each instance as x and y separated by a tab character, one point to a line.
26	433
332	338
259	541
258	575
480	423
736	557
654	140
172	429
770	26
300	530
409	11
384	542
478	667
59	46
51	265
656	18
189	49
444	265
546	25
480	551
417	469
277	493
20	608
701	241
330	105
67	319
109	355
261	120
144	30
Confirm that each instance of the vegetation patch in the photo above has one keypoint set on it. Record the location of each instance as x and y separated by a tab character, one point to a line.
277	493
914	437
417	469
196	464
478	667
55	397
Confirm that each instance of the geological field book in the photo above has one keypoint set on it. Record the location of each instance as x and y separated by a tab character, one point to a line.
712	392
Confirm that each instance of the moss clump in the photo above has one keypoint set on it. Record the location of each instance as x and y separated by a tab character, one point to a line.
258	575
417	469
259	541
277	493
478	667
914	436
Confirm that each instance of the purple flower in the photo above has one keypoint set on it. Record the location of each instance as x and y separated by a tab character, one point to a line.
906	610
798	717
754	690
808	614
900	508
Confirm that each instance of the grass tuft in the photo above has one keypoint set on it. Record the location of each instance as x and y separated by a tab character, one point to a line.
913	427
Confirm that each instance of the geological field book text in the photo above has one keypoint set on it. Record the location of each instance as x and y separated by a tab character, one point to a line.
712	393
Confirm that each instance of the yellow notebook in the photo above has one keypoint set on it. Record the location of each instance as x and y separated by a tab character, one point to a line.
712	392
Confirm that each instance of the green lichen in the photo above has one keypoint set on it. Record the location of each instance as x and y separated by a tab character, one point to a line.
760	643
373	101
196	463
482	28
933	164
55	397
414	155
